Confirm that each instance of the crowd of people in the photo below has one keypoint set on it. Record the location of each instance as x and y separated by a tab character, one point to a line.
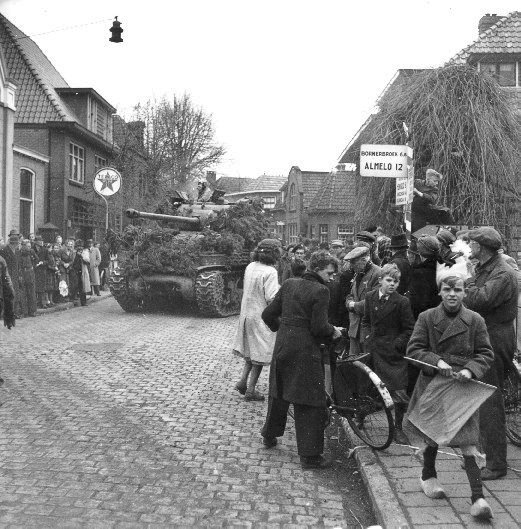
45	274
450	301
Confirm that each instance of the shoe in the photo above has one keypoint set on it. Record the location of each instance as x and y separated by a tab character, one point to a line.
253	395
314	462
487	474
240	389
481	509
432	488
269	442
400	437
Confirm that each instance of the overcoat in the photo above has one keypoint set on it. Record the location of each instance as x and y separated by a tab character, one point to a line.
386	329
85	269
299	314
12	259
423	291
40	272
461	341
51	281
362	284
66	258
493	293
254	340
402	262
95	260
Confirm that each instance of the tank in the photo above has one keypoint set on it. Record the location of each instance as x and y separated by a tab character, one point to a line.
194	260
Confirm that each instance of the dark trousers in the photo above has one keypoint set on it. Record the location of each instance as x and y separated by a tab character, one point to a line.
30	292
492	428
310	422
77	290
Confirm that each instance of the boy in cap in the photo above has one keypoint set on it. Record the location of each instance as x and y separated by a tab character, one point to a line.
426	194
493	292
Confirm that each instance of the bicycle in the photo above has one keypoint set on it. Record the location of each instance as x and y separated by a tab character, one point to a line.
368	409
512	398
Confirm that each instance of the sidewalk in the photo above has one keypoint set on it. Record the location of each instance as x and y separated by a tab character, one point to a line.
392	480
69	305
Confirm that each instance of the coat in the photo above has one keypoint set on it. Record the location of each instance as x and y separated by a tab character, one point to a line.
40	271
368	281
66	258
6	295
401	260
386	329
95	260
299	314
254	340
85	270
462	342
423	291
493	293
13	261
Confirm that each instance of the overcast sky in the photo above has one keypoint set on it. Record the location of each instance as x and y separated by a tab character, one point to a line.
288	82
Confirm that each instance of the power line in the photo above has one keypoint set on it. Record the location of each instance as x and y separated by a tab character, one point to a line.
65	28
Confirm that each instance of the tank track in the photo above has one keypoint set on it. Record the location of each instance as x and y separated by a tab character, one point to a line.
119	288
216	294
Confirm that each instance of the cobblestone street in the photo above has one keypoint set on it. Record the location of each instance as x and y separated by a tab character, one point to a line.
112	419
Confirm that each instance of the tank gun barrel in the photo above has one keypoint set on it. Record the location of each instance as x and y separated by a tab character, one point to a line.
193	222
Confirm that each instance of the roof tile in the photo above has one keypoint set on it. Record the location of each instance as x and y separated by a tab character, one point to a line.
337	194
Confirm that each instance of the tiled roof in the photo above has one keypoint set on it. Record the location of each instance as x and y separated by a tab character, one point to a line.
336	195
268	183
36	97
502	37
232	184
312	181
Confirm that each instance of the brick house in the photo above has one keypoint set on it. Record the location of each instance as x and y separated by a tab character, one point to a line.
331	212
65	132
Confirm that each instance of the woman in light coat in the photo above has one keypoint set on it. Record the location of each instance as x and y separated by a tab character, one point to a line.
254	340
95	260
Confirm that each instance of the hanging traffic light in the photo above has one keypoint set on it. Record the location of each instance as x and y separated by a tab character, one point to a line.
116	31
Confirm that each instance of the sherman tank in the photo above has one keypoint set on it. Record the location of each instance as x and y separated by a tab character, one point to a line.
194	260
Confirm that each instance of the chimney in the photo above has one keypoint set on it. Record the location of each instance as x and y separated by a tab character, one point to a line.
487	21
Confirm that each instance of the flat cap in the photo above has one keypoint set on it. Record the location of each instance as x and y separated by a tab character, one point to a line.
445	237
428	245
486	236
357	252
366	236
337	242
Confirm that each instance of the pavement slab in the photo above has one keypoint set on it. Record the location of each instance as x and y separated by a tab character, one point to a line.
112	419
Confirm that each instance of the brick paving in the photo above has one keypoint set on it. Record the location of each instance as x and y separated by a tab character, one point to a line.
403	503
127	420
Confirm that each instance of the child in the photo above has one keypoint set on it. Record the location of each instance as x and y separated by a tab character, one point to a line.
387	325
455	340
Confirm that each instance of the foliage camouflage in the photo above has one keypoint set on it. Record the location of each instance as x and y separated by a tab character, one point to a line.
152	247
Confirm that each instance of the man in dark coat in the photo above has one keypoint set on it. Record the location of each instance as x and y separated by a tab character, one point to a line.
76	287
493	293
366	279
399	245
11	254
299	314
6	295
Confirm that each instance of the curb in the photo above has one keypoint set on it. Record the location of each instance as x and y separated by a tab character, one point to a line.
387	508
59	307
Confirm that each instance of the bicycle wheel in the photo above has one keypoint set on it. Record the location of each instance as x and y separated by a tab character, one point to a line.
369	412
512	397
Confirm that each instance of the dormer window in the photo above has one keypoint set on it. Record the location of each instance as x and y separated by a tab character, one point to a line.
506	73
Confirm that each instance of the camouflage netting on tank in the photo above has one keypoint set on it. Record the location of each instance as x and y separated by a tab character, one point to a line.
151	248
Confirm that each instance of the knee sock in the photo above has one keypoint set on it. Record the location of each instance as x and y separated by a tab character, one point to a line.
429	463
474	475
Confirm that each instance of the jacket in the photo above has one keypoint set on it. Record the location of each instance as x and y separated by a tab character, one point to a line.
299	314
423	291
401	260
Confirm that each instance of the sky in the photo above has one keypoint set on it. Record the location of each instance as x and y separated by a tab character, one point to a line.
287	82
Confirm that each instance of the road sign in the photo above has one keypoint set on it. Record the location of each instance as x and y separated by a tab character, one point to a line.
384	161
405	187
107	181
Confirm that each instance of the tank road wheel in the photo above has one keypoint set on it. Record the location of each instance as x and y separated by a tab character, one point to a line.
216	293
119	288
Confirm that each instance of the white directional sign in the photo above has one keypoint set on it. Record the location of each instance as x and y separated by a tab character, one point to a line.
405	186
107	181
384	161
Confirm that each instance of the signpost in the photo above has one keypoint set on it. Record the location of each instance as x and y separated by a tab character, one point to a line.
107	182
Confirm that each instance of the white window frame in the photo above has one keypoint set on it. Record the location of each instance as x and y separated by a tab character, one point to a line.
271	203
496	75
344	231
31	200
99	162
323	235
77	161
292	233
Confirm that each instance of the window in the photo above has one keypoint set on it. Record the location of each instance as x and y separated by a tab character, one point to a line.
323	232
311	231
99	162
26	202
76	163
84	213
504	72
292	232
269	202
292	198
345	231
